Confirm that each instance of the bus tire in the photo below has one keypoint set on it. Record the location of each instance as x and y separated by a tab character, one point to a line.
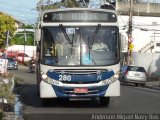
38	91
44	101
143	84
49	101
63	101
104	101
136	84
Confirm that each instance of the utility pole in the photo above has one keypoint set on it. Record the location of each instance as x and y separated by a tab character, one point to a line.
130	31
25	39
7	42
5	55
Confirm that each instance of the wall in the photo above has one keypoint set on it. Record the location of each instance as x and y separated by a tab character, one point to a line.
149	9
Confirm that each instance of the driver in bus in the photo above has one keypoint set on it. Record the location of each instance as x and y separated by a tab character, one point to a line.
99	44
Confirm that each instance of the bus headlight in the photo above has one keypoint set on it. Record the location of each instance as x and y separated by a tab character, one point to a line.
110	80
49	80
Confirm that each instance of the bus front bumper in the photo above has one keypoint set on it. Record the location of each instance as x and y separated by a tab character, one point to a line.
68	90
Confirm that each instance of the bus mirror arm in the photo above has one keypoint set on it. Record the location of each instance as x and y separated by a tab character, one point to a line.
38	48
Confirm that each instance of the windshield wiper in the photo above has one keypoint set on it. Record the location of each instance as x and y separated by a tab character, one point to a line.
94	36
65	34
67	37
93	61
90	43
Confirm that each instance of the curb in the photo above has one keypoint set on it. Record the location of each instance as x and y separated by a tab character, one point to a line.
154	87
12	115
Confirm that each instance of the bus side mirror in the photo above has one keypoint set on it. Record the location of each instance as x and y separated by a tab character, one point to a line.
123	43
37	34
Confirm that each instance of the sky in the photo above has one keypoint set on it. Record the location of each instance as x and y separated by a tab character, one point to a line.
23	10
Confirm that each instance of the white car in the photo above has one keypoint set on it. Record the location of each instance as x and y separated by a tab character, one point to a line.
23	57
133	74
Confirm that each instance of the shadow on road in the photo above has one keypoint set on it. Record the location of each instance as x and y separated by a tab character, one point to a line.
28	94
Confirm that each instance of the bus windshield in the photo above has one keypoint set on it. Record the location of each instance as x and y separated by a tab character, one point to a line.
80	45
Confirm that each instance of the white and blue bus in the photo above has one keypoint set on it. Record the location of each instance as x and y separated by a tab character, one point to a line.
78	54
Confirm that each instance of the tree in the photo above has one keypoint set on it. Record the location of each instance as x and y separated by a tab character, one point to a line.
134	0
64	3
19	38
6	23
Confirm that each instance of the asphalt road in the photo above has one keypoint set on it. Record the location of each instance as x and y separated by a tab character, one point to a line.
133	101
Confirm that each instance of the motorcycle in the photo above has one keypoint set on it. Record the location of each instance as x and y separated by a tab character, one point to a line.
32	67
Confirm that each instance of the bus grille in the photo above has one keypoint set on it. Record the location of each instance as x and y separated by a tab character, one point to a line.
79	72
80	82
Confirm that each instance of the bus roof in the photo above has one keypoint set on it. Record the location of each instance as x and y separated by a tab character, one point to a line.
79	9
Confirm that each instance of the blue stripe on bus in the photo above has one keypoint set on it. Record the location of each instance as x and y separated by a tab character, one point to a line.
86	77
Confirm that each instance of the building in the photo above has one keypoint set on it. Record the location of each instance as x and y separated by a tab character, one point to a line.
145	25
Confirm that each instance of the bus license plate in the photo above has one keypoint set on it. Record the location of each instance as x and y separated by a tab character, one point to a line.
80	90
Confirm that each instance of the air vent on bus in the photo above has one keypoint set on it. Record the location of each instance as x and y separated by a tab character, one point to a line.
79	72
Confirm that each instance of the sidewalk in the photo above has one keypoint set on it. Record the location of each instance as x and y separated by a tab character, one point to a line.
153	85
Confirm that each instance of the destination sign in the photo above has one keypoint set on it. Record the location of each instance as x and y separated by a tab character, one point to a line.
79	16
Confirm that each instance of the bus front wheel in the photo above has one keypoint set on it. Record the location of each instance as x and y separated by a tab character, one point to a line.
104	101
49	101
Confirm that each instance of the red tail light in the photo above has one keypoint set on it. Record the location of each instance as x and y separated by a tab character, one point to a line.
125	72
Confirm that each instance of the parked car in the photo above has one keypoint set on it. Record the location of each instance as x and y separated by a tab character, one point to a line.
1	54
22	56
12	64
133	74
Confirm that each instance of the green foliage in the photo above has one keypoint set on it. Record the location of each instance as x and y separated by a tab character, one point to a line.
19	38
6	23
27	26
128	1
70	3
66	4
5	92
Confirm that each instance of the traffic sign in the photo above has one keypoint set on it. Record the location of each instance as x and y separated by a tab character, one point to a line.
131	46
